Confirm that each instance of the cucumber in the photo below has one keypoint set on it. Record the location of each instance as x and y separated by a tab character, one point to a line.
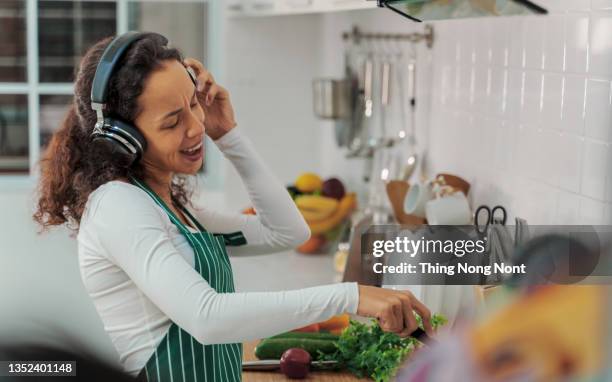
309	335
273	348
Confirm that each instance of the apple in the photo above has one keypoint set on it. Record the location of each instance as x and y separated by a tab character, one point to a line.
333	188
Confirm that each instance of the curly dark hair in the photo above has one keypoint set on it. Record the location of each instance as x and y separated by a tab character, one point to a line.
72	167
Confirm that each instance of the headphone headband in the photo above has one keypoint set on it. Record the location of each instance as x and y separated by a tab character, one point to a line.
111	56
121	138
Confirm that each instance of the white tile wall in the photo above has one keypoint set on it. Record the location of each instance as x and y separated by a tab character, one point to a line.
600	44
599	110
520	106
534	94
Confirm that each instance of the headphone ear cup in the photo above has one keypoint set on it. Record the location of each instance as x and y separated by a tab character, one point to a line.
131	133
122	141
115	150
128	132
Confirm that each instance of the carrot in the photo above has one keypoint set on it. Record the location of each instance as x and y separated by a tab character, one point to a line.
308	329
337	322
249	211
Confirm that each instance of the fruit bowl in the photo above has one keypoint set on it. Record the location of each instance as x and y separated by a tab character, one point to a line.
326	207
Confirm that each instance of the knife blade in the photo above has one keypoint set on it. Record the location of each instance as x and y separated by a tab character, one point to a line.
423	337
274	364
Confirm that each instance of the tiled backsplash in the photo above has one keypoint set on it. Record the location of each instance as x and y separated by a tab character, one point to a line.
522	107
519	106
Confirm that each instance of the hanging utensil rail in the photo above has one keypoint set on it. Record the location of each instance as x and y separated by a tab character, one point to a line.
356	35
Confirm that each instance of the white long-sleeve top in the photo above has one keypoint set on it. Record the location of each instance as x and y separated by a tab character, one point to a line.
139	269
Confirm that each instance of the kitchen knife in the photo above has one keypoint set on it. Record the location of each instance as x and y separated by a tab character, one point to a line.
423	337
274	364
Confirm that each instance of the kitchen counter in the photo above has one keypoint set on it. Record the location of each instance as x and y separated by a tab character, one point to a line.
273	376
283	271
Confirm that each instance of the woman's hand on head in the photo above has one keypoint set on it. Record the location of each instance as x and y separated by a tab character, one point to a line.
214	99
393	309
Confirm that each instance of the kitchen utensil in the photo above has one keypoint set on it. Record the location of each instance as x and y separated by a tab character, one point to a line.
411	162
521	231
331	98
396	191
501	245
453	209
423	337
499	248
384	140
385	100
338	99
358	145
409	167
412	97
274	364
455	182
346	129
367	146
378	203
416	198
368	102
485	216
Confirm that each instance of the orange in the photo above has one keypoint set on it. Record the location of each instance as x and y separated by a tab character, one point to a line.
311	245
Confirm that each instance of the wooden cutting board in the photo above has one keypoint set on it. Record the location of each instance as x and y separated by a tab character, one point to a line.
273	376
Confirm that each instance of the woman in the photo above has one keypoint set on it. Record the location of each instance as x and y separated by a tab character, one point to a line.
158	272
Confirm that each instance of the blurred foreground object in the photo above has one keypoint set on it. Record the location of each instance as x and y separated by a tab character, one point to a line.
550	333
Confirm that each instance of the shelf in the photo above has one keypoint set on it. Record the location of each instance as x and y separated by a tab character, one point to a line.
257	8
426	10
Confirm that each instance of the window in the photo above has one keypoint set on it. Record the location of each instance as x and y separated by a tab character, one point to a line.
14	133
52	110
12	41
37	71
66	29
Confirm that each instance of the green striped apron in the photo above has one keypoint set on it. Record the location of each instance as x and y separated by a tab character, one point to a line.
179	357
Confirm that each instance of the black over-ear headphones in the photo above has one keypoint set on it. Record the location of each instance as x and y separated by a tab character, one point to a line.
123	140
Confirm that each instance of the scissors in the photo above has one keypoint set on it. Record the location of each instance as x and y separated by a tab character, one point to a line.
489	215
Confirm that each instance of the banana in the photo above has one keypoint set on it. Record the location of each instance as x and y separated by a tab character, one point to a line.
316	203
345	207
312	216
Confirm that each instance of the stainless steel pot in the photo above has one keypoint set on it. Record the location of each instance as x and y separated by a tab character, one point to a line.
332	98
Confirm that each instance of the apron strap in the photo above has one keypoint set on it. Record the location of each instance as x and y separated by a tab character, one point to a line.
177	222
232	239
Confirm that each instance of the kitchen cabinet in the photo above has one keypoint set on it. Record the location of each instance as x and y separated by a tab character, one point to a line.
249	8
